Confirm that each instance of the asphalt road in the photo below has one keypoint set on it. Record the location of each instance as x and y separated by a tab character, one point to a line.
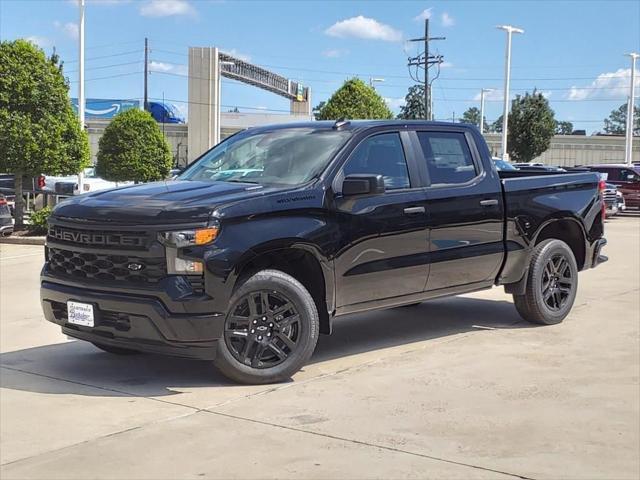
455	388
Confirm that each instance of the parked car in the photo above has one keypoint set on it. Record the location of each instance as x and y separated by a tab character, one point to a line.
538	167
332	218
626	178
503	165
610	195
6	218
91	182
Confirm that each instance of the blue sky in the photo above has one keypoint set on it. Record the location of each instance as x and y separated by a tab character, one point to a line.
573	51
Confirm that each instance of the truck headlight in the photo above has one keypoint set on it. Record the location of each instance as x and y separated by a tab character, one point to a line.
175	240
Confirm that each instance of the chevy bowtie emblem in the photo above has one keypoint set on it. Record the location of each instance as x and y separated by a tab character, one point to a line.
135	267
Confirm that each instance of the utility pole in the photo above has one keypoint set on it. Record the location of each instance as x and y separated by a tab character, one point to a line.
146	74
507	77
482	92
628	147
425	60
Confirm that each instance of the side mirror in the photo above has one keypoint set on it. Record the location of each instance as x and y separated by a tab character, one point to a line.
362	184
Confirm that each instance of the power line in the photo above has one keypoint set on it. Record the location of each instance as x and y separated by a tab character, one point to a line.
105	66
109	76
121	54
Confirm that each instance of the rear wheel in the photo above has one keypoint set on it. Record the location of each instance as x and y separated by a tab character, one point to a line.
270	331
116	350
552	284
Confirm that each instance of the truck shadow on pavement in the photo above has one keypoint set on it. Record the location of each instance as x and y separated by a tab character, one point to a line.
79	368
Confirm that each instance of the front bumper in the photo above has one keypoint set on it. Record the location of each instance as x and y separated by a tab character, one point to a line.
138	322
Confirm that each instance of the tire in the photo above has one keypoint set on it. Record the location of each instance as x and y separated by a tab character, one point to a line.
552	283
268	344
116	350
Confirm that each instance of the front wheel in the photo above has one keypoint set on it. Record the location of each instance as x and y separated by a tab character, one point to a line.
270	331
552	284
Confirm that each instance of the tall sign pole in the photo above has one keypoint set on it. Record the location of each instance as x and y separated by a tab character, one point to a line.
507	78
628	146
81	94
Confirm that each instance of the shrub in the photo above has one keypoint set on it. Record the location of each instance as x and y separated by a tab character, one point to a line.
38	221
133	148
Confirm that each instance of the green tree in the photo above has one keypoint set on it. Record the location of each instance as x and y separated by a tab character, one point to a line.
413	108
616	124
496	127
317	109
39	132
133	148
472	116
354	100
564	128
531	126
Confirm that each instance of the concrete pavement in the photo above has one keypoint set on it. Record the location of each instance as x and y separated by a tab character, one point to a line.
454	388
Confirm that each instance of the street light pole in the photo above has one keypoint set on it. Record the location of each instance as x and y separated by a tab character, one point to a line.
482	92
507	78
628	147
373	81
81	94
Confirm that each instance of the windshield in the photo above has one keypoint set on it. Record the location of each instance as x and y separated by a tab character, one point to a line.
289	156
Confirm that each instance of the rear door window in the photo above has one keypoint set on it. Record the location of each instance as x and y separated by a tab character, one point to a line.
448	157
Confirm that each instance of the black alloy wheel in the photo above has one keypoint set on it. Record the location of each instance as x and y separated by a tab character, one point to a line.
270	330
263	329
552	284
557	282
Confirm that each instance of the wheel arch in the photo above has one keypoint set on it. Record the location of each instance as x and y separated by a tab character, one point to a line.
304	262
567	229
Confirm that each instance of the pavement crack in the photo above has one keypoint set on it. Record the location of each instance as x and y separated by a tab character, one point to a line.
368	444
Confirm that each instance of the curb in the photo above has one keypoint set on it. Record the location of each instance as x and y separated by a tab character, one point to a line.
23	240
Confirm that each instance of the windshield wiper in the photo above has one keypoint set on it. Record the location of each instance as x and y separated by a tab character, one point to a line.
237	180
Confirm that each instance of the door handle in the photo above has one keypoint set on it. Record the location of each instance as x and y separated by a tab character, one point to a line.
488	203
413	210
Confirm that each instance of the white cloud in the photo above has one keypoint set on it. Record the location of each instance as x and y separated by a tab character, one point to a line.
446	65
42	42
100	2
164	67
606	85
166	8
70	29
395	103
489	96
447	20
365	28
335	53
235	53
426	13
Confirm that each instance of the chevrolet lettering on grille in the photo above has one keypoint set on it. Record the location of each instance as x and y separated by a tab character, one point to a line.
95	238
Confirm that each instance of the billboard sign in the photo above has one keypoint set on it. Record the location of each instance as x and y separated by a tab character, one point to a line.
105	108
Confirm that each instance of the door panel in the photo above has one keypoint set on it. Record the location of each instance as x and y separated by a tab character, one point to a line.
465	212
384	236
386	252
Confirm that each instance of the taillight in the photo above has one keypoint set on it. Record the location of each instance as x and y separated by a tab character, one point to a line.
41	181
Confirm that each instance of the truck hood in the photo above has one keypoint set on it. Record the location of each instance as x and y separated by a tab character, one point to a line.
157	203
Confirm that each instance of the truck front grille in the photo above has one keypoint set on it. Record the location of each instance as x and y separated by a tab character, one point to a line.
104	267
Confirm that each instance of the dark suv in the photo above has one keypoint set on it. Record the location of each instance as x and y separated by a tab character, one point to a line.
626	178
267	238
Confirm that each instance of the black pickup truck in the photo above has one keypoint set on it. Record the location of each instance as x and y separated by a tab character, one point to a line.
271	235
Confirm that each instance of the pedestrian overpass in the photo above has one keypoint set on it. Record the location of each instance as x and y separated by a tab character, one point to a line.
207	65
